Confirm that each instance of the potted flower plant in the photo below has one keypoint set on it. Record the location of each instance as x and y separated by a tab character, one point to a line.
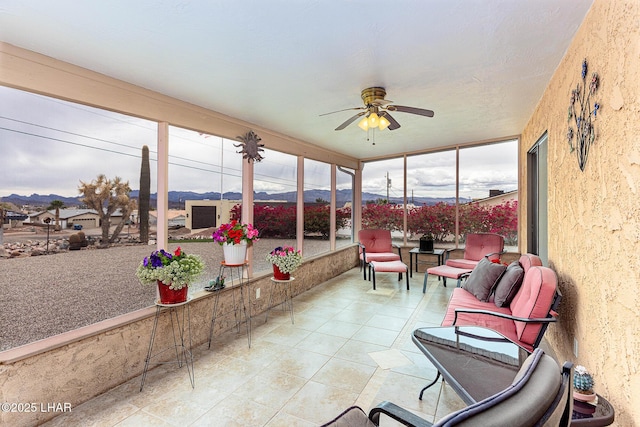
285	260
172	272
234	237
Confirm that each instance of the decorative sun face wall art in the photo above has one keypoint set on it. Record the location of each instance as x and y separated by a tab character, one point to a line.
250	143
581	114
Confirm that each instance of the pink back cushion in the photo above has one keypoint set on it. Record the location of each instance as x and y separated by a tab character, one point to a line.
529	260
377	240
534	300
481	244
526	261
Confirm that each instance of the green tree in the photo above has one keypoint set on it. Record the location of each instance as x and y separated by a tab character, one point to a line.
57	205
144	196
105	197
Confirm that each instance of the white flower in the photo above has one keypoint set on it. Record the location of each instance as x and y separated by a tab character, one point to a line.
581	370
287	259
176	271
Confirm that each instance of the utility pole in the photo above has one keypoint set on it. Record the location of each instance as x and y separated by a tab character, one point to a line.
388	186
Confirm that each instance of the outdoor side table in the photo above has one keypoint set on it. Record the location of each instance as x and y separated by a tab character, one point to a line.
587	414
237	280
415	252
180	315
478	362
287	292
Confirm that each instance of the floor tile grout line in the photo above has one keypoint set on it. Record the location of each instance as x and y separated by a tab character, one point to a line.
365	400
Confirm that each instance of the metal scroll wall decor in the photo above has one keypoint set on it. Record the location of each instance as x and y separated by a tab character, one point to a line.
250	143
581	115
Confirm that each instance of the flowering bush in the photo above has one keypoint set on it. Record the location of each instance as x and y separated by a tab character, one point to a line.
275	221
235	232
176	270
286	258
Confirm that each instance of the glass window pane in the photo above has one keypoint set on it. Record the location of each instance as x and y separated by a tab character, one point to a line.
48	146
205	184
431	185
489	189
344	202
317	193
382	196
274	211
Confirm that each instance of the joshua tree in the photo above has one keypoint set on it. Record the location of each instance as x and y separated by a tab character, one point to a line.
57	205
105	197
144	195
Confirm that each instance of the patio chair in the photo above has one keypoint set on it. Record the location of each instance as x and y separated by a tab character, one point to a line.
477	246
539	395
375	245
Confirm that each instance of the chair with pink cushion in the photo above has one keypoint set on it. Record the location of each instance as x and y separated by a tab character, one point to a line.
477	246
524	319
375	245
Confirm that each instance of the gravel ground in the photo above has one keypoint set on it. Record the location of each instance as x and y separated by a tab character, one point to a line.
47	295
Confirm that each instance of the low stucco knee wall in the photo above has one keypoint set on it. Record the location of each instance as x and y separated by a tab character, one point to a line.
71	368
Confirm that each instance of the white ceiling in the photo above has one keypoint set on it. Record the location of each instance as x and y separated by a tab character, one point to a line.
482	66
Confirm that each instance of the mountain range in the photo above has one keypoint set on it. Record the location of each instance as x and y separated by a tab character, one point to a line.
177	198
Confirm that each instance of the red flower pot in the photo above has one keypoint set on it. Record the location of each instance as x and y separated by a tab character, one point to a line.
170	296
278	275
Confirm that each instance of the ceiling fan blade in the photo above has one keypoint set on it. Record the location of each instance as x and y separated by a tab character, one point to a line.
393	124
346	109
351	120
412	110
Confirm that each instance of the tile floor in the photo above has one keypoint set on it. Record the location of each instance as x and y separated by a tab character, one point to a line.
348	345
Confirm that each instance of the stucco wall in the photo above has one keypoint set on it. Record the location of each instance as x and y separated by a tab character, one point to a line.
78	365
593	215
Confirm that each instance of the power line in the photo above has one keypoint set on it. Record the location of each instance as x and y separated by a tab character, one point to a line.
67	142
71	133
137	156
95	139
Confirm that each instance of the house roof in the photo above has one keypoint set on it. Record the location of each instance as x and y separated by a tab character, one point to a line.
171	213
481	66
15	216
72	213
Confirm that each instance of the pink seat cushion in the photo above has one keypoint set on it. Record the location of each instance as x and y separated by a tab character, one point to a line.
462	263
533	301
447	271
381	257
389	266
464	299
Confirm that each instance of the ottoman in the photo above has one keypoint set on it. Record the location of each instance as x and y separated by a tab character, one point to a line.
388	267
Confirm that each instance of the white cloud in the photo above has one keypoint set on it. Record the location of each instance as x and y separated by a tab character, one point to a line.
49	146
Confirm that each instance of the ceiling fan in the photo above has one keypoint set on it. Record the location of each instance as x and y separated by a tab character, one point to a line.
376	111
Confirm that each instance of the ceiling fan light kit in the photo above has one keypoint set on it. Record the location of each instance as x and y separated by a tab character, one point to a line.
384	123
376	111
372	120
